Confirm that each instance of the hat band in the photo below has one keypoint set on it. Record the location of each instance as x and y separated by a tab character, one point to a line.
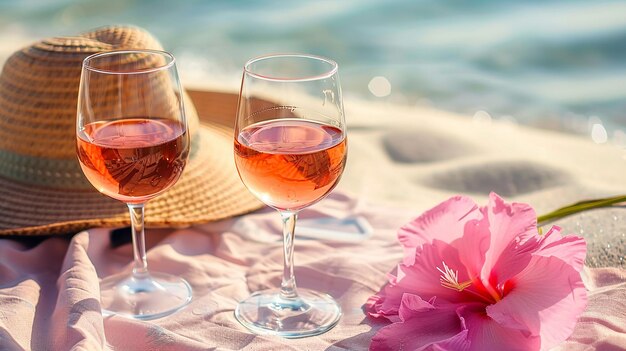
52	173
46	172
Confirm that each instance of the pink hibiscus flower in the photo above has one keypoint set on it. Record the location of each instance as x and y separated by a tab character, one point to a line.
481	278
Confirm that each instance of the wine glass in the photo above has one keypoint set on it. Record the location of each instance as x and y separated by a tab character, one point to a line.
290	151
132	144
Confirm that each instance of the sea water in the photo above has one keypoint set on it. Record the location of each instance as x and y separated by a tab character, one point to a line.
555	64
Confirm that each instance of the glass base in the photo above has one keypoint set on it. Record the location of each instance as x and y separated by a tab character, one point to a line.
265	312
155	296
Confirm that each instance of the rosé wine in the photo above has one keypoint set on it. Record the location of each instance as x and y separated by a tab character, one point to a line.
133	160
290	164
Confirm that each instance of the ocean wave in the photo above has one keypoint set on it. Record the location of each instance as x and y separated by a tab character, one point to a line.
538	61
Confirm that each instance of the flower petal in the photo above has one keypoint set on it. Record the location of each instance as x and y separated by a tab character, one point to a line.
571	249
473	246
422	325
513	228
376	308
459	342
445	222
412	303
485	333
546	300
422	278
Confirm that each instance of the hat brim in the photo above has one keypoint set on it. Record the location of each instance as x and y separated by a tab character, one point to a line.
209	189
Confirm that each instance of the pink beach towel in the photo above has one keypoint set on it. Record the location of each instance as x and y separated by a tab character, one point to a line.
49	295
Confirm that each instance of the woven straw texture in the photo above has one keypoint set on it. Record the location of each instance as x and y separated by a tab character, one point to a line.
42	188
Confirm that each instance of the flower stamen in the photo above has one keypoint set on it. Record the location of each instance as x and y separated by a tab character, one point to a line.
450	279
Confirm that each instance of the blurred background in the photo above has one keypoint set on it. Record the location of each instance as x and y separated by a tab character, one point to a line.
551	64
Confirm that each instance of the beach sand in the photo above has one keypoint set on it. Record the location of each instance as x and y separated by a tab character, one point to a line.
416	157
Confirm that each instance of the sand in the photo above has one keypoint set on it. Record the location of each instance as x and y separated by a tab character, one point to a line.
416	157
413	158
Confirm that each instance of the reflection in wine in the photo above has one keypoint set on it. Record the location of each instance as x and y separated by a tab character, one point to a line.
133	160
290	164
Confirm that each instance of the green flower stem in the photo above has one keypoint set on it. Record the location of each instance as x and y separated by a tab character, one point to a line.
579	207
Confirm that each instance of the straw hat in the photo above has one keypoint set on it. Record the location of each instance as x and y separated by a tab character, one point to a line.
42	188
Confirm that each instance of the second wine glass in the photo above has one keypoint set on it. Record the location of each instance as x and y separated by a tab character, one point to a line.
133	144
290	151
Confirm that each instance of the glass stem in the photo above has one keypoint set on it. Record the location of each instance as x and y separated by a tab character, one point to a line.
288	286
140	264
